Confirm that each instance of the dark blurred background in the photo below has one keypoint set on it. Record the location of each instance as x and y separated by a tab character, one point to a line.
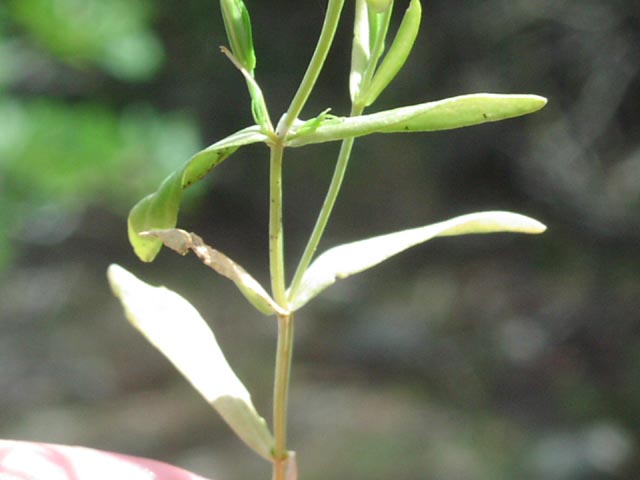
477	358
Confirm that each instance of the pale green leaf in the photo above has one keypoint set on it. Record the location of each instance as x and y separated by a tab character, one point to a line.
351	258
159	210
445	114
175	328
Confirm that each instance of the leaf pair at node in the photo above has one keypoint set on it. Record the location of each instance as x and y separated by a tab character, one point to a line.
159	210
367	79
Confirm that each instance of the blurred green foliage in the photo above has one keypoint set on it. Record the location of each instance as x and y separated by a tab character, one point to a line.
114	36
63	145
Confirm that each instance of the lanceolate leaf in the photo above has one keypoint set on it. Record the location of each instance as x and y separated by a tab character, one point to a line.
182	241
351	258
454	112
159	210
175	328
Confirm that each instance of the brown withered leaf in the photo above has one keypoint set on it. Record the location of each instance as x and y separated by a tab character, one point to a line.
182	241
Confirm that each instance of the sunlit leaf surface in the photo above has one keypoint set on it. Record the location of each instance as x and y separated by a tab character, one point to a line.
455	112
176	328
351	258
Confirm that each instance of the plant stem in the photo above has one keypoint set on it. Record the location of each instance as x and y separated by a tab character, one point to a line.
334	8
285	322
327	207
276	240
276	234
281	393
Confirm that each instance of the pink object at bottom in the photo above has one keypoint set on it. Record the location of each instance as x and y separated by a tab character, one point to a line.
43	461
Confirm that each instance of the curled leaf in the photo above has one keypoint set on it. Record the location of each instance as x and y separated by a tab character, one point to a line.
176	328
159	210
351	258
182	241
454	112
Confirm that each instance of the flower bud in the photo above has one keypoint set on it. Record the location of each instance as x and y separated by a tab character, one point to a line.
238	27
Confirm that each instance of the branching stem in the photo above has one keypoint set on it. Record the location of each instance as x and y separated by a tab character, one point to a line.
327	207
334	9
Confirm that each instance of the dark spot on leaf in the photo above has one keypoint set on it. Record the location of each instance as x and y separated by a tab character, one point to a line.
485	116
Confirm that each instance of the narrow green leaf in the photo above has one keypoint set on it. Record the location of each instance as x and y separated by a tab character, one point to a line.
182	241
175	328
450	113
398	52
159	210
351	258
302	127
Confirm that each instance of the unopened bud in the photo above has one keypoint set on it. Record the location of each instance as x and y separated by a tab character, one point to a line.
238	26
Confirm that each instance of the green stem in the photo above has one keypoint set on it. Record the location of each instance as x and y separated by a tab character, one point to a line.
327	207
285	322
315	66
281	394
276	234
